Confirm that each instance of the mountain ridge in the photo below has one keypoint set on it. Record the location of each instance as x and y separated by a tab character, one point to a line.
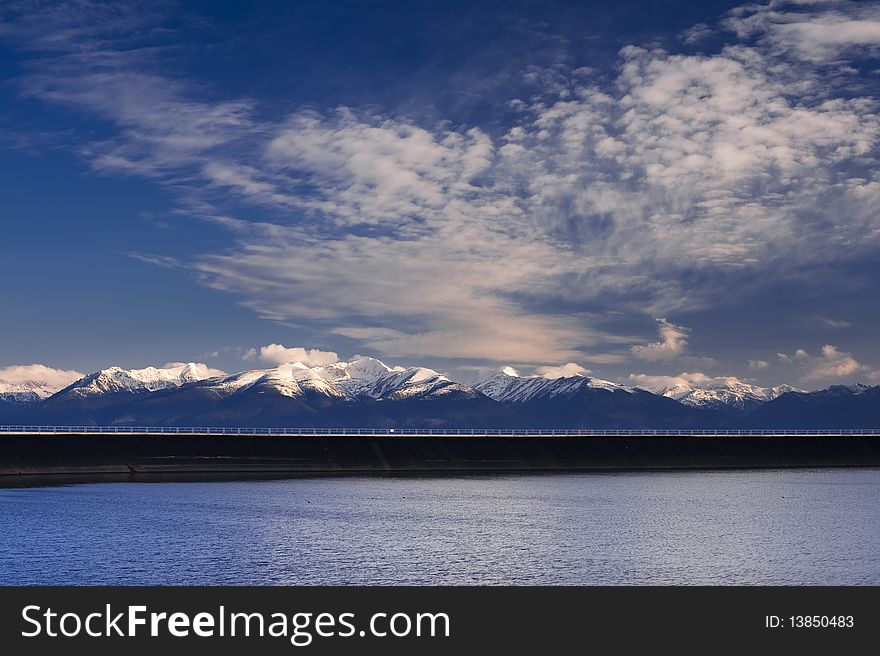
727	394
367	392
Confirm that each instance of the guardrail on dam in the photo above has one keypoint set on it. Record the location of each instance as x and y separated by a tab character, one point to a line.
427	432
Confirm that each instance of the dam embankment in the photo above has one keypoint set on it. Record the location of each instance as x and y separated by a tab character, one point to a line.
141	456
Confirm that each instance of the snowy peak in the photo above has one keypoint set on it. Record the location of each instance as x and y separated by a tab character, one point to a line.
508	386
497	385
293	380
224	387
149	379
855	389
416	382
31	383
25	392
296	380
368	369
369	378
107	381
360	379
356	378
722	393
779	390
189	372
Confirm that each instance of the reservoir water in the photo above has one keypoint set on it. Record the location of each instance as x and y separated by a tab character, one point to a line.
702	527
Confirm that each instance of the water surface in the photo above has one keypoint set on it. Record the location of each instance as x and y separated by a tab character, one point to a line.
719	527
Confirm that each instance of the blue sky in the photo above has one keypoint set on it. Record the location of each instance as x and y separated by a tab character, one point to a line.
636	189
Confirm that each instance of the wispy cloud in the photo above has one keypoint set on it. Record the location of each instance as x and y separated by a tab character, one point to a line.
828	322
164	261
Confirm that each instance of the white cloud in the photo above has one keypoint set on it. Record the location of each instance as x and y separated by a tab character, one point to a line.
562	371
815	31
831	366
834	364
379	170
672	344
758	365
799	357
38	374
278	354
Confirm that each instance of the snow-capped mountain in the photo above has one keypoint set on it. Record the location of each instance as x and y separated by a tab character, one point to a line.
149	379
507	386
577	400
27	384
397	382
839	406
25	392
363	378
357	378
362	392
367	392
294	380
721	394
855	389
360	379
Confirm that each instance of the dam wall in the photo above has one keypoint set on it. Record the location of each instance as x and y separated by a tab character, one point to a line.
144	455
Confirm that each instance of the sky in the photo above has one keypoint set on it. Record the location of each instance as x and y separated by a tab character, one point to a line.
647	192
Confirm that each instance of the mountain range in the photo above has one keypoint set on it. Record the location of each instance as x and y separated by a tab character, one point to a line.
366	392
728	395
